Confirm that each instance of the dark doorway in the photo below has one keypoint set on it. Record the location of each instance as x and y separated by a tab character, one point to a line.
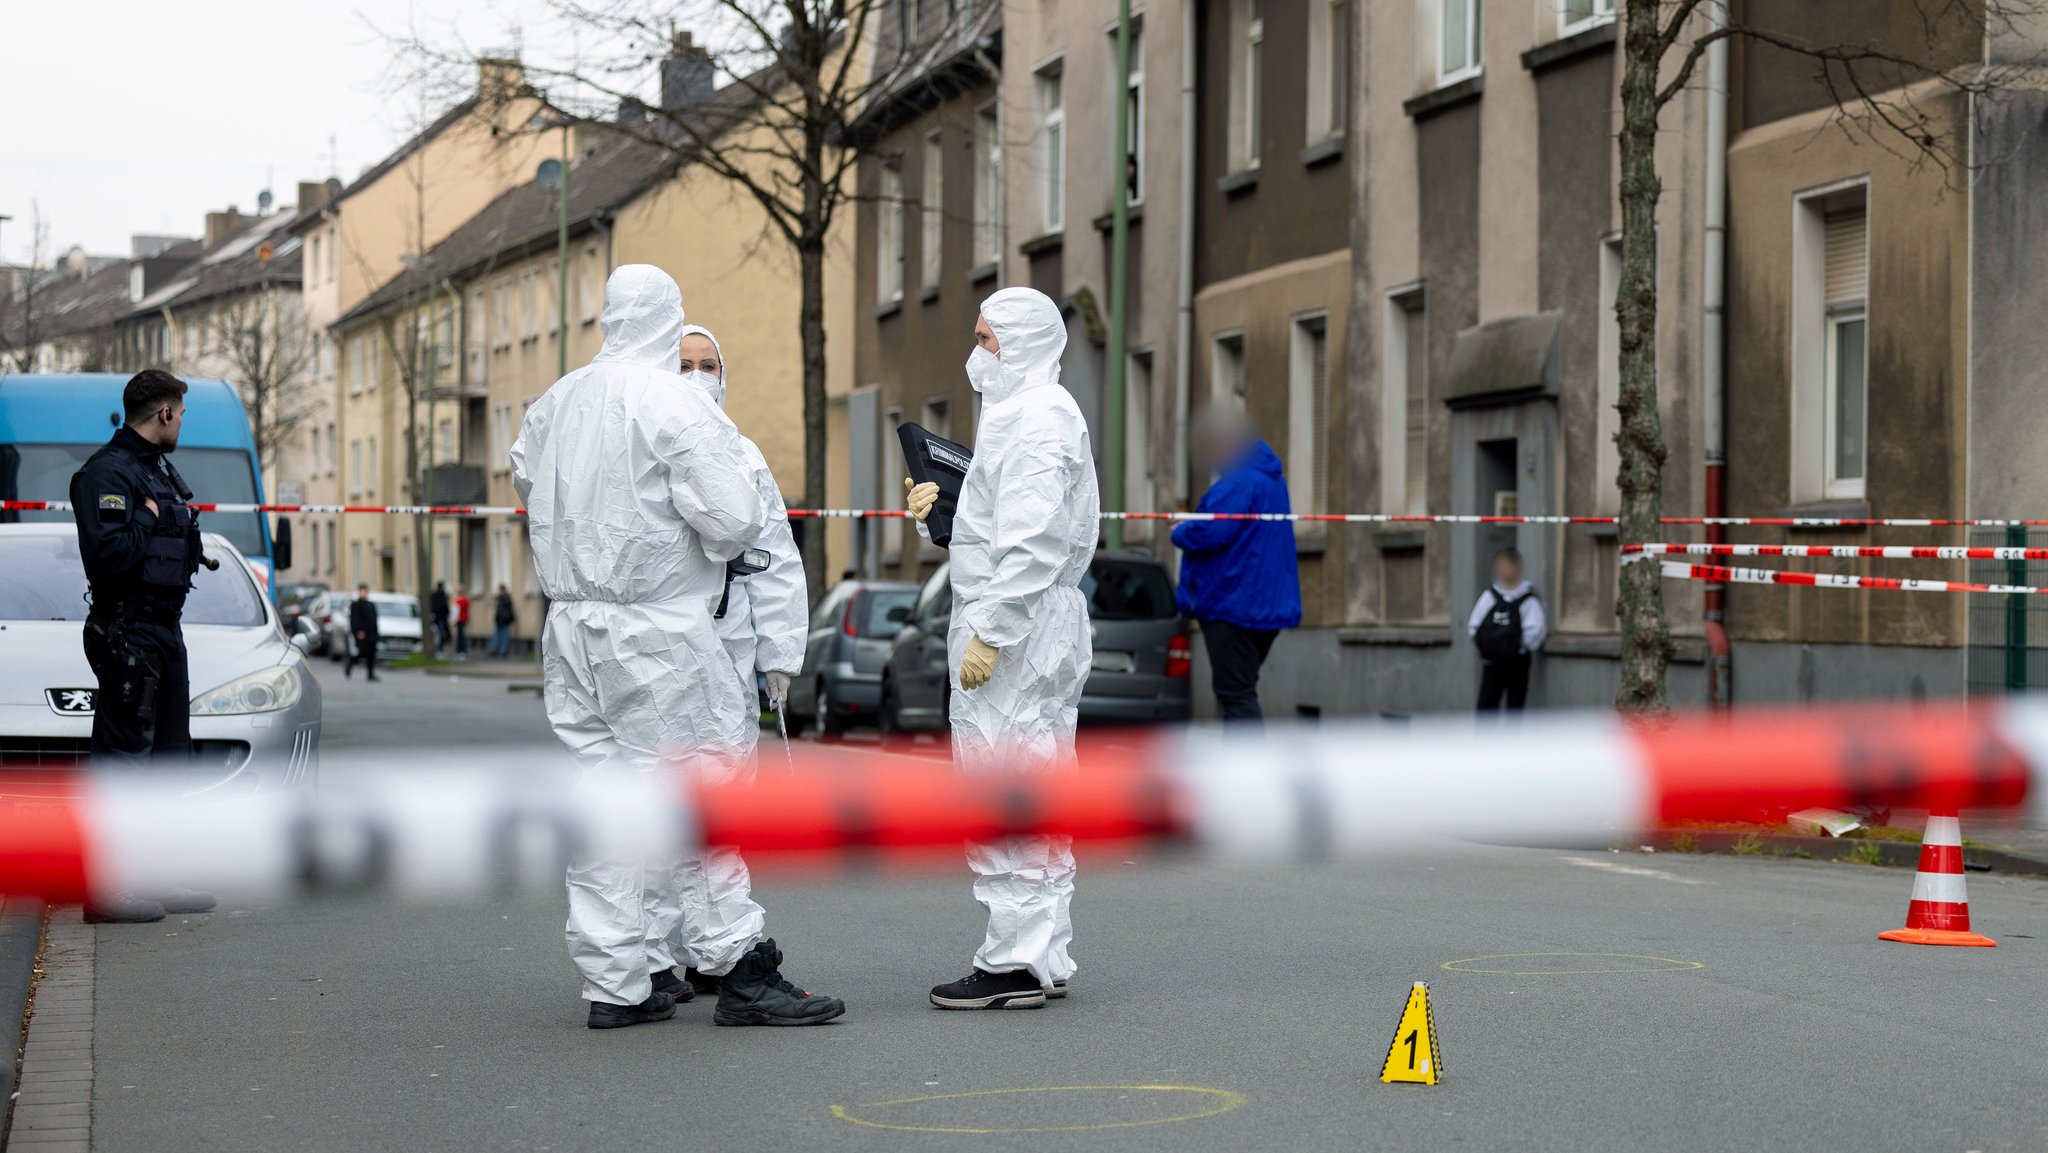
1497	497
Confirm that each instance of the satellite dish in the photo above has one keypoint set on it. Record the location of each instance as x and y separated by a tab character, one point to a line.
549	174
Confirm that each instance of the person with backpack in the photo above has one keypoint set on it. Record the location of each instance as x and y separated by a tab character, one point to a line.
502	617
1508	627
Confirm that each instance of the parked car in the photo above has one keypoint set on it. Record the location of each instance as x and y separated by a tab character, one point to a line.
1143	651
256	711
851	628
293	597
398	624
319	613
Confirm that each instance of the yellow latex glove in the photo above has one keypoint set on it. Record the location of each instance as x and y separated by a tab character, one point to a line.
920	498
978	663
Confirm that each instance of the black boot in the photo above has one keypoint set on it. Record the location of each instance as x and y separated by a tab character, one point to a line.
754	993
657	1007
703	983
679	990
984	990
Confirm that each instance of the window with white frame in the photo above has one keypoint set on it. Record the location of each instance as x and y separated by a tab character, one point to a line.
371	478
315	542
1308	393
501	314
889	235
444	442
356	366
355	563
1247	65
893	470
1457	38
1607	386
333	557
1404	407
332	464
931	206
589	285
355	468
1226	367
501	555
1579	15
1050	85
1830	343
375	367
529	306
1329	67
988	184
1133	109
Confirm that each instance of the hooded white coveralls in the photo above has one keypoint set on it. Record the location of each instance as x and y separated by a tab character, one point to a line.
766	622
1023	538
638	490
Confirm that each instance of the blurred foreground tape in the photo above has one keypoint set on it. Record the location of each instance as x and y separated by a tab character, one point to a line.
455	824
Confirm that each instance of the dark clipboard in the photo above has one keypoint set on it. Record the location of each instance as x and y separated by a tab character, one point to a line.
933	458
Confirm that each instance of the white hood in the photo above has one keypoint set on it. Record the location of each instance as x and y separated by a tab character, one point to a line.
643	318
1032	337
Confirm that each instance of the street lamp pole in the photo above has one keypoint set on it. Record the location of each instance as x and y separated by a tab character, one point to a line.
1114	465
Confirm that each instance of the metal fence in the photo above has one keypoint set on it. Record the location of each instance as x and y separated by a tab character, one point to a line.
2008	634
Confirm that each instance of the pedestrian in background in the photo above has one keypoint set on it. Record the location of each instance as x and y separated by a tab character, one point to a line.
1238	578
437	609
362	631
462	624
1507	626
502	616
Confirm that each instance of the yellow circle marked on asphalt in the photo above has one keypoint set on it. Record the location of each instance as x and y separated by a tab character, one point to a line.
1518	960
1214	1102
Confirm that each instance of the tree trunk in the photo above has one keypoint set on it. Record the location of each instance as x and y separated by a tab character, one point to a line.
811	328
1645	633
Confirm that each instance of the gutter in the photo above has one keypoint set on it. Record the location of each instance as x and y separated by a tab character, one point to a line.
1184	326
1713	347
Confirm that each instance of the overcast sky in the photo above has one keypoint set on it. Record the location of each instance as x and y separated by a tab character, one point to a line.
129	116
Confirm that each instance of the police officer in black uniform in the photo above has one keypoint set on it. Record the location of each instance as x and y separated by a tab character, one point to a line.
139	538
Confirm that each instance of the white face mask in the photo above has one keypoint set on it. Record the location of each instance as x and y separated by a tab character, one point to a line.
715	385
983	368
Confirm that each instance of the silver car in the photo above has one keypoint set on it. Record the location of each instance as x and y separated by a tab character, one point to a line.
255	709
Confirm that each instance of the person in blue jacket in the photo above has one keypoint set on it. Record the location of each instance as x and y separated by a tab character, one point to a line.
1238	577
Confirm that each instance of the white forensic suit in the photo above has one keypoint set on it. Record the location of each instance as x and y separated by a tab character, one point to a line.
638	491
766	622
1023	538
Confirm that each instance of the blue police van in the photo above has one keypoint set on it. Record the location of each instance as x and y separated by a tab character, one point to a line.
49	424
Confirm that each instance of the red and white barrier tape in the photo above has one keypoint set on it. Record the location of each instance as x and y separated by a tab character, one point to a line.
1840	552
1678	570
483	819
1177	517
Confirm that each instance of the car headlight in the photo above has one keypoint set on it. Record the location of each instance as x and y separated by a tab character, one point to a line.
263	691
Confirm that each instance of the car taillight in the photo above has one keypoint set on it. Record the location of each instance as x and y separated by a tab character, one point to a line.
853	614
1180	657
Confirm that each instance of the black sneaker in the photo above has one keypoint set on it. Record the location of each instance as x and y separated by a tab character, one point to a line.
984	990
123	909
667	982
658	1006
703	983
754	993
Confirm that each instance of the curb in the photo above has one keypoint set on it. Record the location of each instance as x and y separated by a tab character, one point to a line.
1897	854
21	938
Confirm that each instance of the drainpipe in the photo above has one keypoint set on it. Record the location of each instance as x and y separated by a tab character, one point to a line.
1713	365
1184	328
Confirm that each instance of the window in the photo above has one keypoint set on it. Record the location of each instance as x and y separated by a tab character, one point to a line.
333	558
1830	337
1607	391
1457	39
1138	432
529	306
501	438
333	253
1329	67
355	563
988	184
444	335
936	419
313	265
370	477
893	472
1308	391
1226	368
501	319
1052	147
313	449
1247	46
1404	408
376	366
501	555
444	442
1579	15
931	206
889	235
356	369
1133	111
590	286
315	542
355	468
332	464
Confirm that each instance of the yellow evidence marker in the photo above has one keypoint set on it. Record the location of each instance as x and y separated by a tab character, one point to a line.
1414	1057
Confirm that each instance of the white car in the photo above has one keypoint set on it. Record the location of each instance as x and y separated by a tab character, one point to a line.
255	708
398	624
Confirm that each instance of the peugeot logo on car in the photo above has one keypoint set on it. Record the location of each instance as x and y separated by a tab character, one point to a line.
70	702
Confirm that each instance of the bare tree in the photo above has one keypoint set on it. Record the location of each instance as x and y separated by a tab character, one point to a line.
267	351
799	74
21	328
1881	93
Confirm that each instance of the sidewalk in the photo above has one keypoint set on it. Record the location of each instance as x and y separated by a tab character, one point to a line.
53	1113
1990	844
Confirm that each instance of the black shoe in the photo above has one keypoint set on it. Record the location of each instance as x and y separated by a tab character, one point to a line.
185	901
678	990
658	1006
123	909
347	671
371	677
984	990
754	993
703	983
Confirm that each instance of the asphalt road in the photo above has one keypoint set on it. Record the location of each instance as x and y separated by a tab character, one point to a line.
1265	999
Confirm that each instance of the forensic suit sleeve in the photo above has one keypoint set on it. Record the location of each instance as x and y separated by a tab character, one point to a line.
710	482
1033	539
778	601
522	481
114	521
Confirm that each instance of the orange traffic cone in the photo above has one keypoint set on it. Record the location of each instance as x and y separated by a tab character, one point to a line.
1940	911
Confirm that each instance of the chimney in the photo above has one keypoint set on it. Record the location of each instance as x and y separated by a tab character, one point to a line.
221	225
687	76
312	194
499	79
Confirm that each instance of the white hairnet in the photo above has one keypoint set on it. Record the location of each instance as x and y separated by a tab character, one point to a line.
1031	337
643	317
